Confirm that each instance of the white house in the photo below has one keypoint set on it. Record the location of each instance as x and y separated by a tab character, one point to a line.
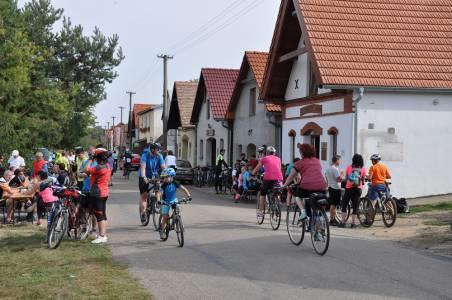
147	125
253	122
209	114
328	57
181	133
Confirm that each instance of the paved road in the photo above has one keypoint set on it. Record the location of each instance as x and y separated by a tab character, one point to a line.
228	256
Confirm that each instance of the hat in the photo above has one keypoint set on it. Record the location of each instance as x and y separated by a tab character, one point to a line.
15	153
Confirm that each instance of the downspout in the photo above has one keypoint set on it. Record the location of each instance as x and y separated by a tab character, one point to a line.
228	125
196	146
278	134
356	101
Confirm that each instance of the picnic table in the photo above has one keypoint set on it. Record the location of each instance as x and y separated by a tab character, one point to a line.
17	197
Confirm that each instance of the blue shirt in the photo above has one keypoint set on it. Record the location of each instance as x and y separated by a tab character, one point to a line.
169	192
86	181
152	162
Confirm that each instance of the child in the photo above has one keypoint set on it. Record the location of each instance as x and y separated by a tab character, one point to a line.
169	197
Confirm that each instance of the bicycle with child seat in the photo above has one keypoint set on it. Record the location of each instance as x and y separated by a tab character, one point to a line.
272	207
153	206
319	226
384	205
174	222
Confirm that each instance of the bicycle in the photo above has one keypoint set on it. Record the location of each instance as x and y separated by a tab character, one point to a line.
127	166
174	222
272	207
153	206
227	181
384	204
320	229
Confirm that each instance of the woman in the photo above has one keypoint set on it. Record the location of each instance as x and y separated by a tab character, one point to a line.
170	160
99	191
311	181
19	180
355	175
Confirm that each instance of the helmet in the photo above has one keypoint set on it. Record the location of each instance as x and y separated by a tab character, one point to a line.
101	153
261	148
158	145
271	149
375	157
168	173
153	146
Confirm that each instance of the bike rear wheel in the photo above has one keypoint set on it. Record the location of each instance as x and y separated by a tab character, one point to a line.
390	213
320	231
85	225
155	213
260	218
275	214
366	214
339	212
295	228
179	228
58	230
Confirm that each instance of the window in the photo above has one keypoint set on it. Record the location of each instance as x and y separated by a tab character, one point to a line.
208	109
253	102
324	151
333	132
239	150
221	144
201	149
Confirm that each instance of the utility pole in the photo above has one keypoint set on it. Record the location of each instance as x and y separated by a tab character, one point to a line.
108	135
113	133
121	108
130	119
165	58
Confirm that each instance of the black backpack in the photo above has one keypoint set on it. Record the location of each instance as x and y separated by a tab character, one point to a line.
402	205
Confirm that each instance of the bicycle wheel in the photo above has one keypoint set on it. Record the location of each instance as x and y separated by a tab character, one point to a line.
320	231
85	225
144	221
179	228
366	216
390	213
339	212
260	219
58	230
155	212
295	228
275	214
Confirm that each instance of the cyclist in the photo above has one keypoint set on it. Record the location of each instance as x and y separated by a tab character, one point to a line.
79	160
296	180
378	174
273	176
169	188
312	179
218	170
152	164
127	161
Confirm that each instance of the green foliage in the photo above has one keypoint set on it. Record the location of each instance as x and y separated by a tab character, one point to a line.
50	81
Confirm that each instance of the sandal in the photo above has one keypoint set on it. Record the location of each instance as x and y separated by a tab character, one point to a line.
10	222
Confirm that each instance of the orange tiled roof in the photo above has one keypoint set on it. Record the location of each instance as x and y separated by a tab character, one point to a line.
385	43
137	108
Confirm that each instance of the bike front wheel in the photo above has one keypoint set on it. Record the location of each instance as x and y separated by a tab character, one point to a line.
179	228
389	213
295	228
320	232
57	230
366	214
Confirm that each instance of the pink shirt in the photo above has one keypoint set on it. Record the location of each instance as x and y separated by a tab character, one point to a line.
349	169
272	167
312	178
47	195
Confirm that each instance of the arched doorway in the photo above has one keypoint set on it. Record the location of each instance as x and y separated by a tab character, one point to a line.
185	147
211	151
311	133
250	150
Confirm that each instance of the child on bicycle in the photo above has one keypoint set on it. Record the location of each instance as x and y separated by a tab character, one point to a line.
169	196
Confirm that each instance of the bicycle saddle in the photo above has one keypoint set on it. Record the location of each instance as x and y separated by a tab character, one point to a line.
317	196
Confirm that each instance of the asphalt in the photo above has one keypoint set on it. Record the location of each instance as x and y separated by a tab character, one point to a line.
228	256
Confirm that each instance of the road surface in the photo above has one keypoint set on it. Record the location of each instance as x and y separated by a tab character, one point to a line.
228	256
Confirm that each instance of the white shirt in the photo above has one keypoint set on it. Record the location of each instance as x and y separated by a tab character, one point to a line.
16	162
170	160
332	173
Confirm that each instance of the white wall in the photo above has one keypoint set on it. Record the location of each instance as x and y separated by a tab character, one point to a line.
157	123
190	134
418	153
220	133
344	123
300	72
251	129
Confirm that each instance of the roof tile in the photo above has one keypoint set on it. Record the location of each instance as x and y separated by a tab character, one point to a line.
186	93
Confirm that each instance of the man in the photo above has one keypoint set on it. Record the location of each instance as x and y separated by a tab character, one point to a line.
152	164
219	170
334	179
79	159
378	175
7	192
127	161
115	161
15	161
243	158
39	164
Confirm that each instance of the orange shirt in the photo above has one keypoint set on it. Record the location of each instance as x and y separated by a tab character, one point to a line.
379	173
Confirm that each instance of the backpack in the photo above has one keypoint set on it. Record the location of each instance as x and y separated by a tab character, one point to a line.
402	205
355	177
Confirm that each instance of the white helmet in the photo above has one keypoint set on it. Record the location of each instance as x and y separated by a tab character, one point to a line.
375	157
271	150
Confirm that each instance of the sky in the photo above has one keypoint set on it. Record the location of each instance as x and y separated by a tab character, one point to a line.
199	33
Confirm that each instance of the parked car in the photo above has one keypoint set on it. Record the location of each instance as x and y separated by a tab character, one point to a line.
136	161
184	171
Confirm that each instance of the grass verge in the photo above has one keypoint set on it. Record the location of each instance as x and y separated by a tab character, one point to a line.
76	270
444	206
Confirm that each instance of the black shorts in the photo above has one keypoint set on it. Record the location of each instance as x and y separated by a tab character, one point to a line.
335	196
267	185
99	208
85	201
142	185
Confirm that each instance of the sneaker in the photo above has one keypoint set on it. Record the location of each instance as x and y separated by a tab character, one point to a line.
341	225
93	234
143	217
353	226
302	216
334	222
317	237
100	240
260	213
